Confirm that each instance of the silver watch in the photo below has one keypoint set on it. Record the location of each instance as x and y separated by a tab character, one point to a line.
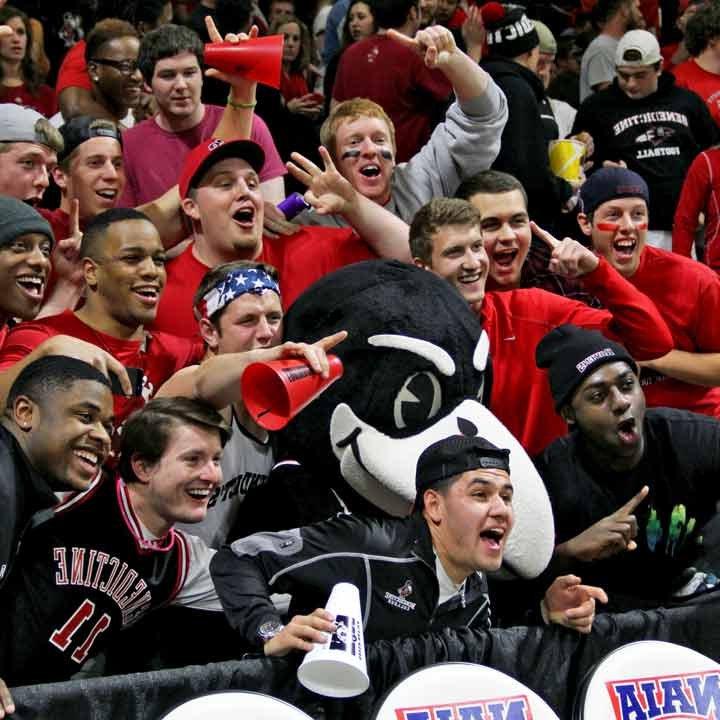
268	630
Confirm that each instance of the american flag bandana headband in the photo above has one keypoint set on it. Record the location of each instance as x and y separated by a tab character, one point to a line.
237	283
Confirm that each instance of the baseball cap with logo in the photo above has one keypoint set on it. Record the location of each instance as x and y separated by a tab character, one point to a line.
200	159
637	48
453	456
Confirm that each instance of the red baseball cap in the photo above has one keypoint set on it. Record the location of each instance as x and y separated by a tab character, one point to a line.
200	159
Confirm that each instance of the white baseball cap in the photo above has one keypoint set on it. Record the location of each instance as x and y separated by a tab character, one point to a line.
637	48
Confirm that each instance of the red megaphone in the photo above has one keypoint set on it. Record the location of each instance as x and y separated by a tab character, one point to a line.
275	391
257	59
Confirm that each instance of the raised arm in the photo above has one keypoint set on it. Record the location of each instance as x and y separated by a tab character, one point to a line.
236	122
631	317
217	380
437	46
329	192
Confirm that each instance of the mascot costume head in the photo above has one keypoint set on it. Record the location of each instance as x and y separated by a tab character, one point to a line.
416	370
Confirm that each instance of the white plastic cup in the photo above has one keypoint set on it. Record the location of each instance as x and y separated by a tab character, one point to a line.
338	668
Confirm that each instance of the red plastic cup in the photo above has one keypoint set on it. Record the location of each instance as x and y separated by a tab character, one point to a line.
274	392
258	59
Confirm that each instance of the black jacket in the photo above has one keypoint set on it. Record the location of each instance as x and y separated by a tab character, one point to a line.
524	146
391	561
680	465
23	494
657	136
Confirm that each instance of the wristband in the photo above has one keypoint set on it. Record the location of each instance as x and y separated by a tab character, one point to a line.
241	106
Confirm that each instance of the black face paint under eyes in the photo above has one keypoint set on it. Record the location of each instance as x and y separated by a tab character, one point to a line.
384	153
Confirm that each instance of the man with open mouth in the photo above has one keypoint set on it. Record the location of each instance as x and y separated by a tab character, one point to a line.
446	239
240	315
631	488
361	137
417	573
220	192
517	259
26	242
687	293
106	557
54	437
123	264
645	122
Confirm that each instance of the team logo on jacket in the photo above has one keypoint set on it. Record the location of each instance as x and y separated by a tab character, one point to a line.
400	600
691	695
502	708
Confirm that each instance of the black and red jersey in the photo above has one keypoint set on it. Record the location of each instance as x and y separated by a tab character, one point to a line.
86	573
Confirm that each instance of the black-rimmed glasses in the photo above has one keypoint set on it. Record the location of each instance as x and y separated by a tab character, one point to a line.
126	67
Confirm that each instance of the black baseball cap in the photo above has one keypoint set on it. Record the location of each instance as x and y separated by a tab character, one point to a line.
453	456
82	128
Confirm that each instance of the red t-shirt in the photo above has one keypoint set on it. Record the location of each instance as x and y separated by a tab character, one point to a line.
516	321
687	294
159	356
703	83
293	86
700	194
300	259
43	100
154	157
73	70
397	79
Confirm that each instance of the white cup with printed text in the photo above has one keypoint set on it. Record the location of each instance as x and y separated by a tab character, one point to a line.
338	668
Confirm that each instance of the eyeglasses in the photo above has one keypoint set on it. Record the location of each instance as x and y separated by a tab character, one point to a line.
125	67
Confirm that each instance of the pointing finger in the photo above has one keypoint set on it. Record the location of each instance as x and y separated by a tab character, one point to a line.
332	340
568	580
633	502
402	39
594	592
544	235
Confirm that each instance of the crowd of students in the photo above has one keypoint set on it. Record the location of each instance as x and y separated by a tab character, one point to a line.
144	263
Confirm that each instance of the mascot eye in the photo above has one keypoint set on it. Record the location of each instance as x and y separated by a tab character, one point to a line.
418	400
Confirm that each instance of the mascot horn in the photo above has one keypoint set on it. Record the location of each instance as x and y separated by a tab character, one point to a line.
416	370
